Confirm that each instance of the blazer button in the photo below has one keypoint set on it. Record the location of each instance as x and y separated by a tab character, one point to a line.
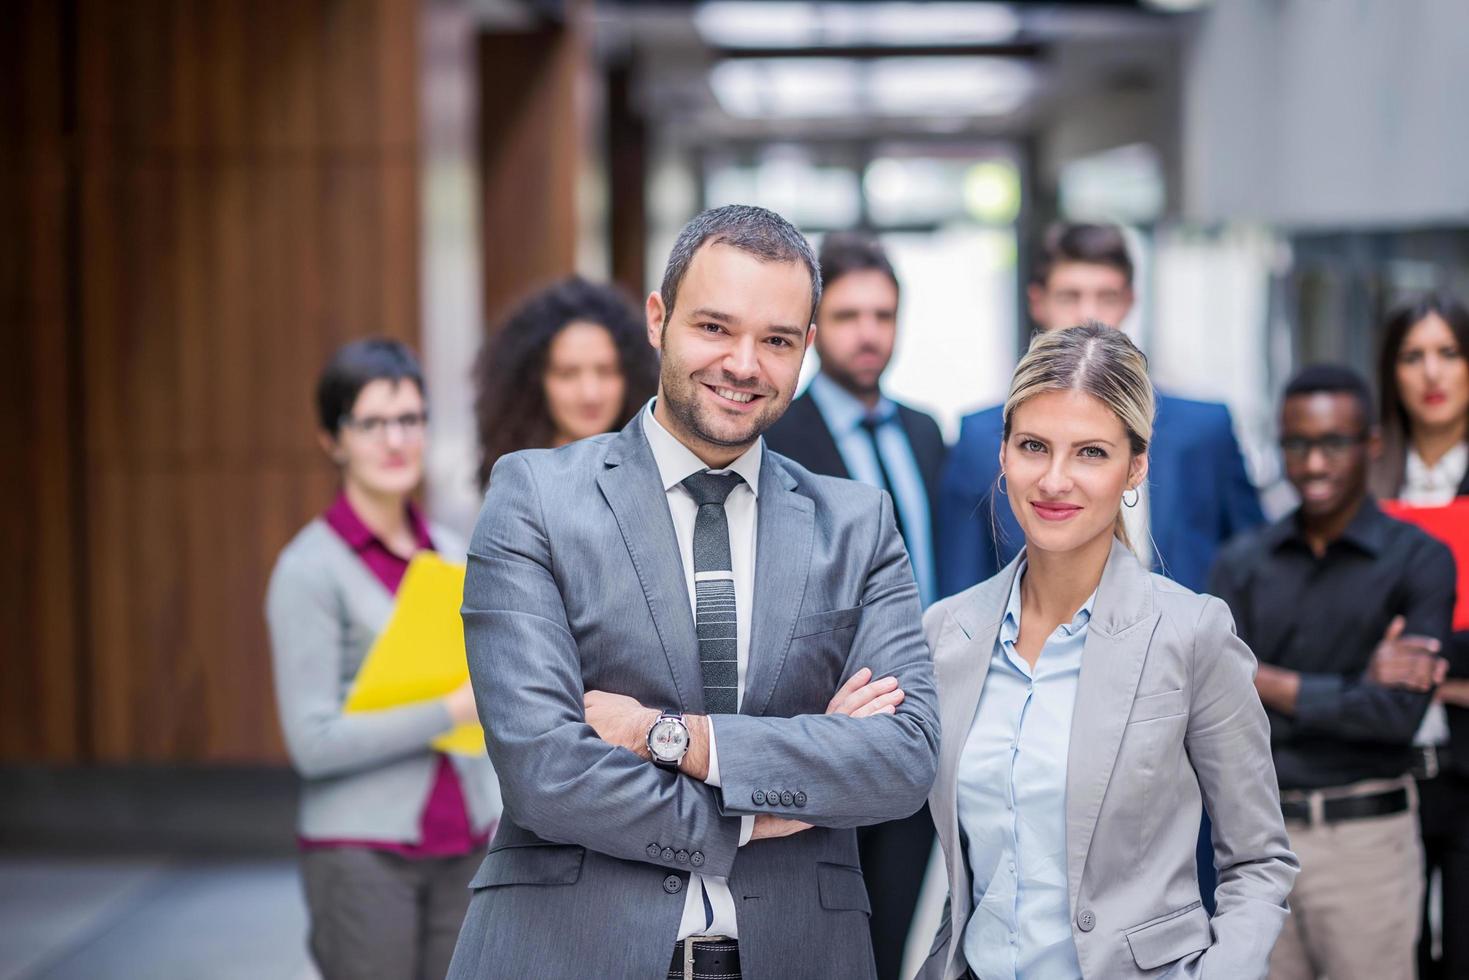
673	884
772	796
697	859
1085	921
667	854
800	799
758	797
788	798
653	851
682	857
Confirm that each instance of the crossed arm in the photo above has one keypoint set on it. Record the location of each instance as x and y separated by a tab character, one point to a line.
555	770
1386	703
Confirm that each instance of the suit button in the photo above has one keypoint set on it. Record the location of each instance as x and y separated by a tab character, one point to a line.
682	857
667	854
653	851
1085	921
772	796
673	884
759	797
788	798
800	799
697	859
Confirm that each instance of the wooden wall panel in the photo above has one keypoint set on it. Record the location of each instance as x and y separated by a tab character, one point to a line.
531	135
202	200
42	715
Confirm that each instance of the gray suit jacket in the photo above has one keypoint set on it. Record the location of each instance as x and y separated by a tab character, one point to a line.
365	776
1166	715
575	583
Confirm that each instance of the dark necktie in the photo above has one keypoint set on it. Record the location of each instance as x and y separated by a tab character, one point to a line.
714	592
870	425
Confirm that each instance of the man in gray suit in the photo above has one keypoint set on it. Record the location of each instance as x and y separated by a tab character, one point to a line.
699	666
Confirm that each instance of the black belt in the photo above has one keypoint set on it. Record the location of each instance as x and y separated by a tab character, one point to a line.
1430	760
1350	807
715	960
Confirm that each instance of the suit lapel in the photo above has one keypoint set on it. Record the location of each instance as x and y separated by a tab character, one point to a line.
631	486
961	665
821	446
1111	665
783	540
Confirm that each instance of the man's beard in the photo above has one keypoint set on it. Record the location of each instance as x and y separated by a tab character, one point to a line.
850	381
681	394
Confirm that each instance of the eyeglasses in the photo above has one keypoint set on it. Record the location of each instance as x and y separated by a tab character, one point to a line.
410	424
1334	446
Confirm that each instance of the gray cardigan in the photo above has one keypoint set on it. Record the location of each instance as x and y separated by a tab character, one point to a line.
365	776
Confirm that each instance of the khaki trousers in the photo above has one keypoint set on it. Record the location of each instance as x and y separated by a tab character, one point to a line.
1354	910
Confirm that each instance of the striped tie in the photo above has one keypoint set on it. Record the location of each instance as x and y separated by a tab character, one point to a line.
714	592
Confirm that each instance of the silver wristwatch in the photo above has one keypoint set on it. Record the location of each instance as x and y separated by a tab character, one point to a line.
668	740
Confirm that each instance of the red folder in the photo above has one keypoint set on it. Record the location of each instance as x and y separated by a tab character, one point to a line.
1450	524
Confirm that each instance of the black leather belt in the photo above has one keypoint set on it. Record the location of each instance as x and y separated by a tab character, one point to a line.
1349	807
712	960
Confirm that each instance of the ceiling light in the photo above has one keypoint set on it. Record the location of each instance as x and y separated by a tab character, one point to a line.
815	88
786	24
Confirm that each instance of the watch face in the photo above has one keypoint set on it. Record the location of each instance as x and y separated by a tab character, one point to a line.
668	740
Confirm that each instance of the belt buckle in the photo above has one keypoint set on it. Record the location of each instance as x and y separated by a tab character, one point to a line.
688	958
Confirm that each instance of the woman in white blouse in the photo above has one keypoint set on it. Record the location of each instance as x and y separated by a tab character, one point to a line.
1089	709
1423	375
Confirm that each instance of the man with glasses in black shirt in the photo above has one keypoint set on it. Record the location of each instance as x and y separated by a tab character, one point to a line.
1347	610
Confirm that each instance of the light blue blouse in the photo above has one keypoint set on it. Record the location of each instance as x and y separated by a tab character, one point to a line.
1012	805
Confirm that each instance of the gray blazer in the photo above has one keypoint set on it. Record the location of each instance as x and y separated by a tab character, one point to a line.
365	776
1166	714
575	583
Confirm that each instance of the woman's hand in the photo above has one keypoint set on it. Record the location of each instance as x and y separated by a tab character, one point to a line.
460	703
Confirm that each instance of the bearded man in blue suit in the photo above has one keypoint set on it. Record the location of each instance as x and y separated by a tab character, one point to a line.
1197	496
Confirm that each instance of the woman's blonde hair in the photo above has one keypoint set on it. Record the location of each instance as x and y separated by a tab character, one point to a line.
1100	361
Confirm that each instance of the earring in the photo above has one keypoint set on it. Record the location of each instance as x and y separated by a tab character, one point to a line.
1136	496
1000	485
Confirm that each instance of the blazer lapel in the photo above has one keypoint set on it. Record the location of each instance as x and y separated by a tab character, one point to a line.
783	541
961	665
633	490
1111	665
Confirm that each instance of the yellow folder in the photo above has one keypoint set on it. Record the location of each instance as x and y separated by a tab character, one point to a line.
420	653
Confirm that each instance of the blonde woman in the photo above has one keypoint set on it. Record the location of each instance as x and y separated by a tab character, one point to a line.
1089	710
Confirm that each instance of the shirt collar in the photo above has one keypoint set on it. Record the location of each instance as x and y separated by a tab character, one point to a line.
1447	472
844	411
1010	626
350	527
1365	532
676	462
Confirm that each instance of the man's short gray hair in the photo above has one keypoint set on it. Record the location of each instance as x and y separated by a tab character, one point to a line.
759	231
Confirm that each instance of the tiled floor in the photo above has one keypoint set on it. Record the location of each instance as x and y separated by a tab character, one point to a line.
142	919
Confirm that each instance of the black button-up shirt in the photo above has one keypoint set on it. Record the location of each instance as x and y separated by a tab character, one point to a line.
1323	618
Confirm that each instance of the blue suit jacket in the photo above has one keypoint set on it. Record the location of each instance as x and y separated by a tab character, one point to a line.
1199	496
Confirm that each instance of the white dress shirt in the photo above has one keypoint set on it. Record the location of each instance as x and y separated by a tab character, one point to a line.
1434	486
676	462
1012	805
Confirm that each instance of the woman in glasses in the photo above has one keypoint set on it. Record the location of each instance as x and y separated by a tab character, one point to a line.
1423	374
390	831
570	362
